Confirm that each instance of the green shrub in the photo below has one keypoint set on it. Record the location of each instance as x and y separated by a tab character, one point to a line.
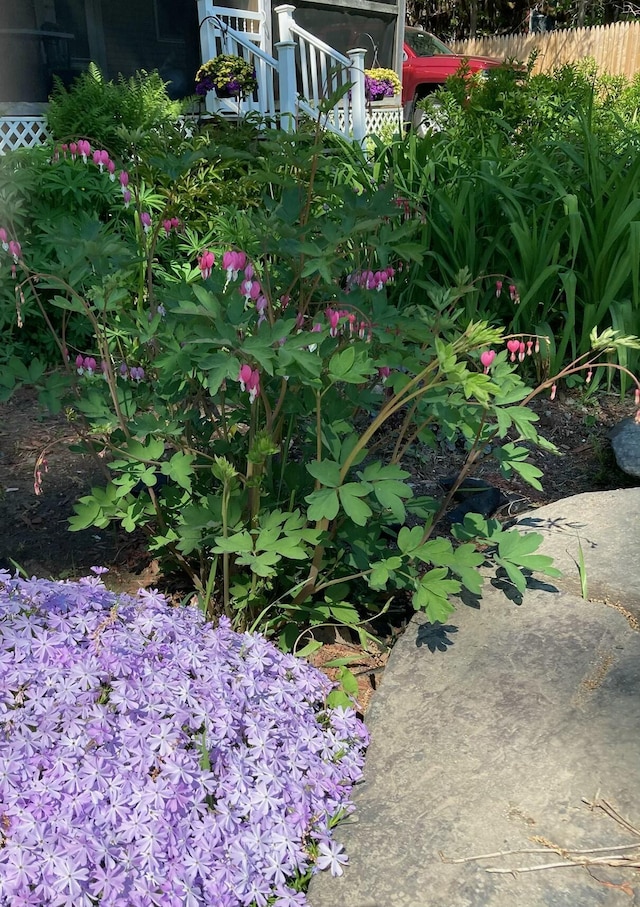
122	116
255	417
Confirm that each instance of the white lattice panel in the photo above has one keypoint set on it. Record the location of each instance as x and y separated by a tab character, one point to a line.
21	132
378	115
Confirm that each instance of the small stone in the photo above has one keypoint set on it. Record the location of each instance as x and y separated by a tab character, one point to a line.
625	441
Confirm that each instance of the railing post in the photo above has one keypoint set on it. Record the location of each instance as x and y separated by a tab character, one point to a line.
358	111
285	18
287	82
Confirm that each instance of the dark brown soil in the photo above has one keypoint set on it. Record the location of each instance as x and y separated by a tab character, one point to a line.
33	528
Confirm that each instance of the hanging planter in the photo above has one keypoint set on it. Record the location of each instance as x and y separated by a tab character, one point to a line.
381	83
228	75
227	91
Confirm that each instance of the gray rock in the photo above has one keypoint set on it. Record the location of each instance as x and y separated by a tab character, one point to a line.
509	729
625	440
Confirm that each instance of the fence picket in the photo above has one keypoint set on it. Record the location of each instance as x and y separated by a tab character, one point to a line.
615	48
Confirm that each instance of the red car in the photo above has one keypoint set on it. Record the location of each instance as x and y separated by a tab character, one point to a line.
427	64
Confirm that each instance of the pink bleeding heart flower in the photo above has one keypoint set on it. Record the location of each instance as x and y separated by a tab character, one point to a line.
513	346
73	149
233	262
3	239
486	358
167	225
80	364
253	385
521	351
111	170
15	249
85	149
244	376
498	287
250	289
90	365
333	316
206	261
124	179
101	158
126	195
145	220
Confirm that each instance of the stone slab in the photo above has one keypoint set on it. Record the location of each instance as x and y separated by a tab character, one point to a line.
490	732
606	526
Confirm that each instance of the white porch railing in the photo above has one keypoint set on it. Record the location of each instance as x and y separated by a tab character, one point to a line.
324	72
306	72
247	39
21	132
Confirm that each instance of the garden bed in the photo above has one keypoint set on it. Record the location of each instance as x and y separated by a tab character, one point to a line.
33	528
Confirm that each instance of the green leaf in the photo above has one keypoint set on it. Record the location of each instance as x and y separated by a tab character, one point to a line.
432	594
345	613
356	509
309	649
326	471
323	504
389	494
410	539
341	363
347	681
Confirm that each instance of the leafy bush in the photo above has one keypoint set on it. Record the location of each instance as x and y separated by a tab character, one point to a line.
532	184
123	116
150	757
255	416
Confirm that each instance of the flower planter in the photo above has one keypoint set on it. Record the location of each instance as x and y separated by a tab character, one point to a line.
227	92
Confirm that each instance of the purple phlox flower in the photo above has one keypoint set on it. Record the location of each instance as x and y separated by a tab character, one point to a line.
110	700
206	261
331	856
287	897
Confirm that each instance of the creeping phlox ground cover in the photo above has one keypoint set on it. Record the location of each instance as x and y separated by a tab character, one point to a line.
148	758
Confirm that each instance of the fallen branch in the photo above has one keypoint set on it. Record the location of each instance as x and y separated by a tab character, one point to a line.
571	857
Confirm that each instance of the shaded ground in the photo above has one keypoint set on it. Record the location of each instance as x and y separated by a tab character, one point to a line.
33	528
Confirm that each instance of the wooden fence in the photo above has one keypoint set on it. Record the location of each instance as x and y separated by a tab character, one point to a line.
615	48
